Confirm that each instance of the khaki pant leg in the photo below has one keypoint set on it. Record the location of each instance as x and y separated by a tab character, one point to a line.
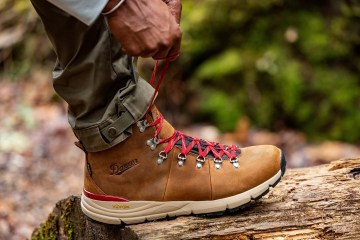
100	83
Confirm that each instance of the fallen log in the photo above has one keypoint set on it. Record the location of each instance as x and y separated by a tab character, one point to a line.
320	202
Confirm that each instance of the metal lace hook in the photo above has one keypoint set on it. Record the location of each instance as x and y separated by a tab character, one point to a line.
235	162
152	143
200	160
162	157
181	159
218	162
142	125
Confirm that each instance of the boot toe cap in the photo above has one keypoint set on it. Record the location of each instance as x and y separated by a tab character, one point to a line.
258	164
263	161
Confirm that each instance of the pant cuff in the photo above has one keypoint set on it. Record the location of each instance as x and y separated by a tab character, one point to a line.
117	129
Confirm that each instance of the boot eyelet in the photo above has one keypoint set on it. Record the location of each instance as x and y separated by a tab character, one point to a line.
181	159
235	162
152	143
142	125
218	162
200	160
162	157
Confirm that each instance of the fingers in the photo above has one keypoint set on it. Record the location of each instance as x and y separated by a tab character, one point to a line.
171	49
161	54
151	49
175	8
152	32
157	48
175	50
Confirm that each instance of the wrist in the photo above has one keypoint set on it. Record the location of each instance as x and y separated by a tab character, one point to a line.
112	6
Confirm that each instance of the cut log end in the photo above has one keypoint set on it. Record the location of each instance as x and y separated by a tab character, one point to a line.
320	202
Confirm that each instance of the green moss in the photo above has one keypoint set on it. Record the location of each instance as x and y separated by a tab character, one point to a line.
65	222
66	218
48	230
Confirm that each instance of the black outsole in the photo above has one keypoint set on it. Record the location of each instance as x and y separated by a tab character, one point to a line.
282	164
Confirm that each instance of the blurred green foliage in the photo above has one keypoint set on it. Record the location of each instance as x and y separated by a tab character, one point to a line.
284	64
23	42
19	6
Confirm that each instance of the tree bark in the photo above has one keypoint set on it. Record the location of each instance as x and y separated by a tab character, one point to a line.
320	202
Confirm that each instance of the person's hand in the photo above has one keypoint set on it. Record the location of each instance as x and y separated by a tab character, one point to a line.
146	28
175	8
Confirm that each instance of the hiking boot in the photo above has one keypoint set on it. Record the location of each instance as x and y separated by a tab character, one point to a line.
159	172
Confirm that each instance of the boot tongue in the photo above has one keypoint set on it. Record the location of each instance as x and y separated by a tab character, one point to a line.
154	113
167	130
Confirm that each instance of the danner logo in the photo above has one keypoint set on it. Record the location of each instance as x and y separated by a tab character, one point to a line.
117	169
121	206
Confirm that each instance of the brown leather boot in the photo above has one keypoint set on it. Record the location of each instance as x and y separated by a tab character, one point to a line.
160	172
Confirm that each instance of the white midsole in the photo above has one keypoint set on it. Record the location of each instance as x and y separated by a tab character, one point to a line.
139	211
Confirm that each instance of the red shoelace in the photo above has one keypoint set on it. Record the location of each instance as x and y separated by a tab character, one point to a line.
202	147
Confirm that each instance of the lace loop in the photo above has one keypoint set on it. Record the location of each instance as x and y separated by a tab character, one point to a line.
187	144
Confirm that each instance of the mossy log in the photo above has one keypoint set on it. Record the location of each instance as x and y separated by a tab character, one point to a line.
320	202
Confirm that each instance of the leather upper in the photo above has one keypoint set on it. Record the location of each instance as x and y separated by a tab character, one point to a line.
130	170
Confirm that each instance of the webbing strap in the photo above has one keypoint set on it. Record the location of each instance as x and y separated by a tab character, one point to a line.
118	126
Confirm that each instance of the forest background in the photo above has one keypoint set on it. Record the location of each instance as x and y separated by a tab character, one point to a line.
250	72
